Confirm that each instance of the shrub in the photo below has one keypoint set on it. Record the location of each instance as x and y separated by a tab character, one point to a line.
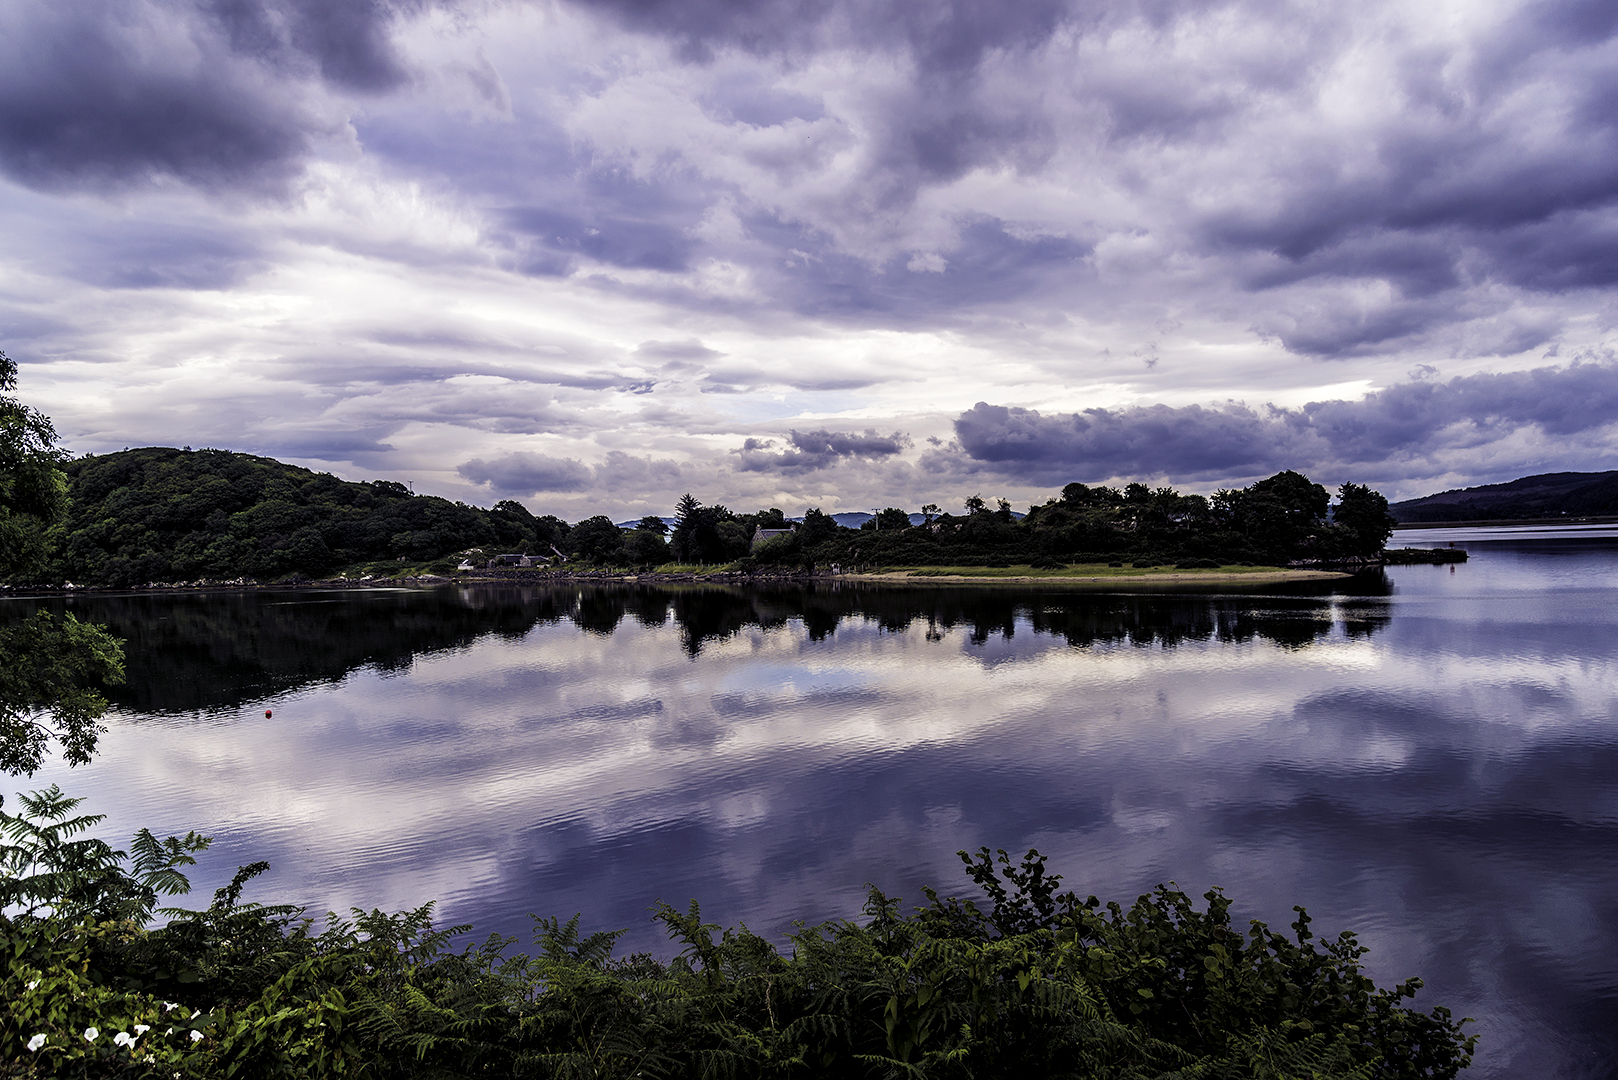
1033	983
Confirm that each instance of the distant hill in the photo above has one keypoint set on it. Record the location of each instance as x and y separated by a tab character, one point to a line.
1573	494
161	514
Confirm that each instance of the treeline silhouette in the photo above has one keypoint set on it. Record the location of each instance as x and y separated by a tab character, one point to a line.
1281	520
157	514
1547	495
194	651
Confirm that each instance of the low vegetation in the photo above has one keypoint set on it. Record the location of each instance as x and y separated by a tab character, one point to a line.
1030	981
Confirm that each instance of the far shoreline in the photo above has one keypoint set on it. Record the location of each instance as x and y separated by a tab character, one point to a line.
908	576
1140	577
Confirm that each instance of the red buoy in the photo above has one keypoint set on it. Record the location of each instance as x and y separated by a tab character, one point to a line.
266	714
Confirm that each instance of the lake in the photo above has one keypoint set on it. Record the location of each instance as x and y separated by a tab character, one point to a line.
1428	757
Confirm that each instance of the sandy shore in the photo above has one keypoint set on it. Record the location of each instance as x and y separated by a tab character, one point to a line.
1137	577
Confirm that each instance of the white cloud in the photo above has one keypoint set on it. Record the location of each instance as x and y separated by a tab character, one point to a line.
454	232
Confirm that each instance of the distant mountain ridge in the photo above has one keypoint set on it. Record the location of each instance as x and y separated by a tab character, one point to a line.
1574	494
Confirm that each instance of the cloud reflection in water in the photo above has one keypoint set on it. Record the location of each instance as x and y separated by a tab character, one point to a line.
1433	768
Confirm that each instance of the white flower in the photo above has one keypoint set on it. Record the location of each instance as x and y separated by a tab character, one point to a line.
123	1038
33	984
167	1005
90	1034
196	1036
141	1029
36	1042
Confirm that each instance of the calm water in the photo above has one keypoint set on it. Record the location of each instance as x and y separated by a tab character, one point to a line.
1429	758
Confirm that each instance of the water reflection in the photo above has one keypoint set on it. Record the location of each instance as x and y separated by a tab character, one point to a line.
1430	758
191	652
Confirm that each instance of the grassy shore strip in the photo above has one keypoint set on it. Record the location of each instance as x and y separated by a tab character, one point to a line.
1087	575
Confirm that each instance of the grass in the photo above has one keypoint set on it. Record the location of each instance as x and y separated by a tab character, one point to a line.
392	568
1086	570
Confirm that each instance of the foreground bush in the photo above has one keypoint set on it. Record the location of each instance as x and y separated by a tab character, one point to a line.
1033	984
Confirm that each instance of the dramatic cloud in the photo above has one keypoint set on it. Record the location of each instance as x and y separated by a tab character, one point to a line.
808	450
524	473
1388	431
122	92
471	232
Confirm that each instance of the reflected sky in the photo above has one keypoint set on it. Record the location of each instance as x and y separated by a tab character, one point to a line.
1427	758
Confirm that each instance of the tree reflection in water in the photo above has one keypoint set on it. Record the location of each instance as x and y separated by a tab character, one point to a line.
215	650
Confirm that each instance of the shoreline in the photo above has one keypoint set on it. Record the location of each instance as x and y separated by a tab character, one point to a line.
1140	577
913	576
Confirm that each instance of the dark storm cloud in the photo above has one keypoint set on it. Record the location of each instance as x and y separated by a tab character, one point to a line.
79	106
945	35
346	40
115	93
1407	422
1501	164
525	473
807	451
319	445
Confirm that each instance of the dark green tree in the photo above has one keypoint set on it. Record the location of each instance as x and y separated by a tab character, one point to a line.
596	539
644	546
515	528
49	668
697	536
49	689
892	518
1363	516
33	490
1282	516
735	538
818	526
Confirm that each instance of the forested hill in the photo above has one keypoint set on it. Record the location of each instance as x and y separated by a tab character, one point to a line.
1576	494
157	514
161	514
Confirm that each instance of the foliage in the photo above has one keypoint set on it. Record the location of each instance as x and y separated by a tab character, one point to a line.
49	668
1364	515
1277	521
596	539
1032	983
48	688
644	545
33	491
160	514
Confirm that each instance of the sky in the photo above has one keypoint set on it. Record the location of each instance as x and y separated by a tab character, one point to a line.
592	256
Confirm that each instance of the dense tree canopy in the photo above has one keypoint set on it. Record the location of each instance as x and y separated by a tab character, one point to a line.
1284	519
160	514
